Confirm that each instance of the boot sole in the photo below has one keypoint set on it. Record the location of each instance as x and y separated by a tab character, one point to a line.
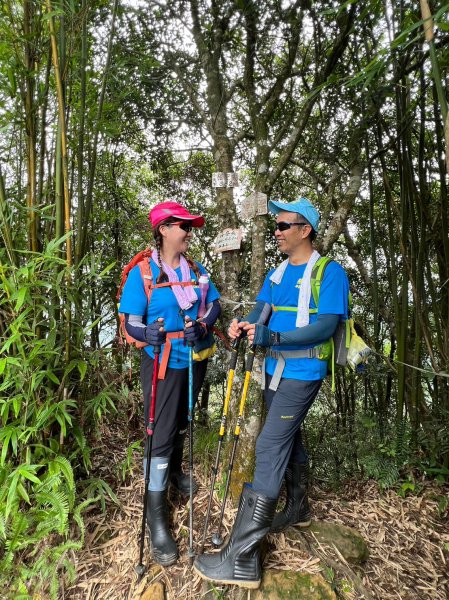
302	523
251	585
165	562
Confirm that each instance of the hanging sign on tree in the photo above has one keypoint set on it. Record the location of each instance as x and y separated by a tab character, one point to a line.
228	239
225	180
254	204
261	203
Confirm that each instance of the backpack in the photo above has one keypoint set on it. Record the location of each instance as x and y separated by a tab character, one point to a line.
345	347
142	259
339	343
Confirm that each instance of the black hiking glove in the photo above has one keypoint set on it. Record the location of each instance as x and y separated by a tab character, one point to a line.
194	333
263	336
155	334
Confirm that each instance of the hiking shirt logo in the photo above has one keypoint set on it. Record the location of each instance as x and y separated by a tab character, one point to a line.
298	283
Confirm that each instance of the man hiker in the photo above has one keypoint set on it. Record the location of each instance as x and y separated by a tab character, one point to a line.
297	337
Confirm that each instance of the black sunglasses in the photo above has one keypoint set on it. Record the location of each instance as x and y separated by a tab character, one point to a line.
184	225
284	225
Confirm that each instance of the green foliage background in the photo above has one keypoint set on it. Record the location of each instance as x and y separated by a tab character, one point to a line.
344	103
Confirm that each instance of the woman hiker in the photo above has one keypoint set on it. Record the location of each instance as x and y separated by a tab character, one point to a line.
169	320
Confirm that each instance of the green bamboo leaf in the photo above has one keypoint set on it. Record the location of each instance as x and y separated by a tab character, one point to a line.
69	368
17	403
11	340
5	412
11	499
61	422
6	435
107	269
23	493
82	368
52	377
14	440
27	472
21	295
57	12
89	327
14	361
2	364
36	380
54	245
5	385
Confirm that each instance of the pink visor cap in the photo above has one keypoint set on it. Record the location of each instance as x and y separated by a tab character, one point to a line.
164	210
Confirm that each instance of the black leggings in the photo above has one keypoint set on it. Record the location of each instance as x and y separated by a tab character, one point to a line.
172	402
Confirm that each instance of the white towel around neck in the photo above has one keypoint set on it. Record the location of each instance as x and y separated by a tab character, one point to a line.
302	318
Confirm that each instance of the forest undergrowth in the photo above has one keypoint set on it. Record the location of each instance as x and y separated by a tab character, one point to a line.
407	535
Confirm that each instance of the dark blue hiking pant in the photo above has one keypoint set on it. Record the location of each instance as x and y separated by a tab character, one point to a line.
280	439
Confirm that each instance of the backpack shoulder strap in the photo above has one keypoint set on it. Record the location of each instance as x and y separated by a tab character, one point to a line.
147	277
317	276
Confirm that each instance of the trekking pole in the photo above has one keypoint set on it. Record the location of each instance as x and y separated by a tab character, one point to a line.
217	539
140	568
223	427
190	419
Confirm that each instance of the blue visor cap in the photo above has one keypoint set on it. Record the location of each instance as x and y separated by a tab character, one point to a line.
302	207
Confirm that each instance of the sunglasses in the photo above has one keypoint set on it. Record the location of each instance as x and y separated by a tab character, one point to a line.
184	225
284	225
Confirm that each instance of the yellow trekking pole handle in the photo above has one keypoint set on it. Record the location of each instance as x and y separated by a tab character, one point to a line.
217	540
235	351
224	418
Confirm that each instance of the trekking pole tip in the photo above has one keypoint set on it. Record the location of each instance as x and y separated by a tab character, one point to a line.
140	570
217	540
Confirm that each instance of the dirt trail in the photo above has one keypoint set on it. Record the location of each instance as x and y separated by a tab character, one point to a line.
408	544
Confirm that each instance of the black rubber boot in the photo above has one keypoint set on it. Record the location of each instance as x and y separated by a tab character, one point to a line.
165	551
296	510
178	479
239	561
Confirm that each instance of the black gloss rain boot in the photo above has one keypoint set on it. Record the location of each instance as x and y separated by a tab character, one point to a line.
165	551
239	561
178	479
296	510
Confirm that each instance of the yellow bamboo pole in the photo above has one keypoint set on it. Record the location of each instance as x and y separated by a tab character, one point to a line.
30	125
61	113
429	36
65	171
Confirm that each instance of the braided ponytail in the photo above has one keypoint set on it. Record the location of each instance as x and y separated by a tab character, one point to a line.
158	241
192	264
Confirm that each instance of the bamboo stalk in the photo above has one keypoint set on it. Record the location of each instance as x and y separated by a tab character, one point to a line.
65	174
428	21
429	36
30	125
80	152
63	131
82	236
5	228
